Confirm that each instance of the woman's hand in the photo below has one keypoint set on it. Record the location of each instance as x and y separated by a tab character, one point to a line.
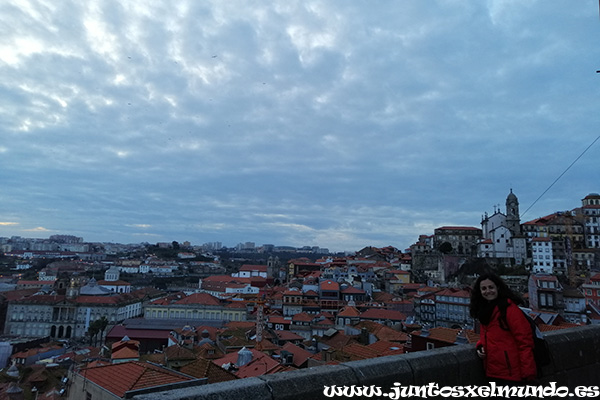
481	352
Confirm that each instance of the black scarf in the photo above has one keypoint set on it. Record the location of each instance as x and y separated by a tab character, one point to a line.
484	314
487	311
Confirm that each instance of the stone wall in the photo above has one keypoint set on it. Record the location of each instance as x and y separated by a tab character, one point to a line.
575	353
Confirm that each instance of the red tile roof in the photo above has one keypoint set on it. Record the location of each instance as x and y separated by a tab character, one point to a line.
200	298
398	272
382	332
359	352
325	322
240	324
349	311
464	228
125	350
385	348
454	293
203	368
448	335
311	293
276	319
120	331
259	268
288	335
353	290
374	313
261	364
123	377
300	355
99	299
302	317
35	351
330	285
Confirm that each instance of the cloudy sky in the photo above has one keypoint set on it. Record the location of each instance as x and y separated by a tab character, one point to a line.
338	124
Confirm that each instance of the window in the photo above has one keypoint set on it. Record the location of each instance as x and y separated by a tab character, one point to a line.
88	396
430	346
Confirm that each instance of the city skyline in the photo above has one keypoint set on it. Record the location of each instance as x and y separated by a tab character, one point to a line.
331	124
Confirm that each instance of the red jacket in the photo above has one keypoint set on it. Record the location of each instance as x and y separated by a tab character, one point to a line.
509	354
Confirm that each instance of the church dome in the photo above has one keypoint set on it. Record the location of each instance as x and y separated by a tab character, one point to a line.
93	289
511	196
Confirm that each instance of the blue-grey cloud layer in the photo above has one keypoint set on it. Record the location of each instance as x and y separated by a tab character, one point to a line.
332	123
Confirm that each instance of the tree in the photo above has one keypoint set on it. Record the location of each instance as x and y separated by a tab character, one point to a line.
97	327
92	332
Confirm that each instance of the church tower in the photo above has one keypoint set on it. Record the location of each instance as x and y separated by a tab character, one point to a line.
513	220
73	289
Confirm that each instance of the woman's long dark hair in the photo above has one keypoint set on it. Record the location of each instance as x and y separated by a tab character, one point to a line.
482	309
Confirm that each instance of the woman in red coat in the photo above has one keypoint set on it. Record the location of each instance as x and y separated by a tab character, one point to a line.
506	340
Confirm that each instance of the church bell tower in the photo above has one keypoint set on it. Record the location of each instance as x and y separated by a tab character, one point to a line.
513	220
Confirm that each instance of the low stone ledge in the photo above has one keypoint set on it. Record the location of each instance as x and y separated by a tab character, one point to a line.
470	366
440	366
308	383
572	348
239	389
381	371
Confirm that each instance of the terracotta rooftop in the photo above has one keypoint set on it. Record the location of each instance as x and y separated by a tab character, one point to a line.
288	335
302	317
448	335
35	351
177	352
453	293
120	331
240	324
200	298
353	290
359	352
261	364
349	311
330	285
300	355
382	332
277	319
464	228
123	377
385	348
125	349
392	315
203	368
311	293
248	267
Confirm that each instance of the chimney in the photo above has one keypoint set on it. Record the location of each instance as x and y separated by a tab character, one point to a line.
14	392
327	355
363	337
461	337
244	357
